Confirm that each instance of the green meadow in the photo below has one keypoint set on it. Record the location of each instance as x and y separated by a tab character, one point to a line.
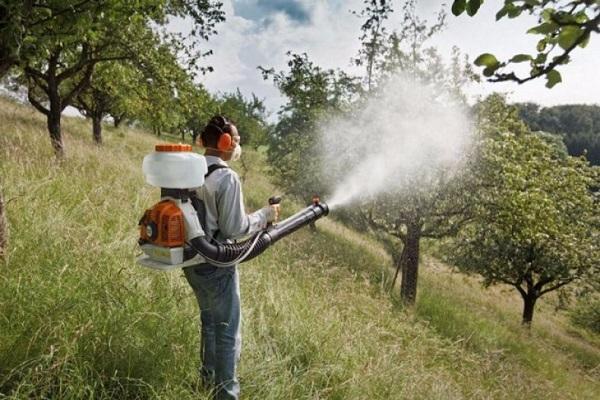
79	319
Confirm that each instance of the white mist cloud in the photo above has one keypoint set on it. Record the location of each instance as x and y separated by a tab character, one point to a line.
407	131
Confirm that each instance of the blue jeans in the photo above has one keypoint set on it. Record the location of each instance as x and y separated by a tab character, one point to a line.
217	290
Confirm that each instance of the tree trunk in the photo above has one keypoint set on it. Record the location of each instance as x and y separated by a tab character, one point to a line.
3	228
398	262
410	267
97	128
5	66
528	307
53	120
117	121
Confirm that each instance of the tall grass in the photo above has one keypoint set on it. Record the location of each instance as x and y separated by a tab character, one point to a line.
79	319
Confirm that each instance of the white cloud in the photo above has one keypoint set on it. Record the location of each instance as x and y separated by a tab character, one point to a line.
330	37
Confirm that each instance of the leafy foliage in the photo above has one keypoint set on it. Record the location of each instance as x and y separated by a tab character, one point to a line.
578	125
535	221
249	116
562	25
313	93
60	43
587	313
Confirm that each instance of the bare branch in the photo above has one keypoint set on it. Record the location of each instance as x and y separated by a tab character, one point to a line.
82	84
557	286
36	103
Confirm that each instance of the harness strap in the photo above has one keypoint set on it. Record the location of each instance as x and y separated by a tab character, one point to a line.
212	168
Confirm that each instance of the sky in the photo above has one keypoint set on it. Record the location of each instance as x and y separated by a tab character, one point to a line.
260	32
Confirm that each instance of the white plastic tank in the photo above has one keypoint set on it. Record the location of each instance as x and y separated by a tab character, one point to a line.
174	166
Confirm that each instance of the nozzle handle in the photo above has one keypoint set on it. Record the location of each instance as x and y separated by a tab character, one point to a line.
274	200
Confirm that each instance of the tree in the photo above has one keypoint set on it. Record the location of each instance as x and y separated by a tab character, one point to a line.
62	51
19	18
534	225
374	13
108	86
249	116
431	207
564	26
312	93
577	124
430	204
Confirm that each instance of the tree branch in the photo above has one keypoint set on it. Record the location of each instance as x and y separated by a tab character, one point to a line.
83	61
557	286
592	25
82	84
36	103
38	80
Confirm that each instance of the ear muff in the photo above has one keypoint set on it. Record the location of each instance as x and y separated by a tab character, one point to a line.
225	142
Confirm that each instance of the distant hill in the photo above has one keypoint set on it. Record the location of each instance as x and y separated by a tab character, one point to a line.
578	124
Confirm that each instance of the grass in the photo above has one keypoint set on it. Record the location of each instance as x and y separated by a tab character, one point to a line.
79	319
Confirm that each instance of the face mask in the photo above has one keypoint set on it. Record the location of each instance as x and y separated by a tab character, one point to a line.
237	153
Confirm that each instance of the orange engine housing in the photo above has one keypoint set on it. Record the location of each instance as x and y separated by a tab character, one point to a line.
163	225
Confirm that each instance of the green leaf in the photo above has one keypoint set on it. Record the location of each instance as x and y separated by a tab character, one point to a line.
489	71
581	17
486	59
514	11
543	29
568	35
503	11
547	14
520	58
585	41
458	7
541	58
553	77
473	7
541	46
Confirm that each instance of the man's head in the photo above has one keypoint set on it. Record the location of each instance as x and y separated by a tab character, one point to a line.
220	137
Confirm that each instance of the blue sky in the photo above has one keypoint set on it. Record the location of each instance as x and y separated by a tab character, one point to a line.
259	32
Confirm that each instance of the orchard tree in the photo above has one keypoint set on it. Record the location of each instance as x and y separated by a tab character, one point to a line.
196	105
534	223
60	53
108	92
374	14
249	116
313	93
434	204
563	25
20	19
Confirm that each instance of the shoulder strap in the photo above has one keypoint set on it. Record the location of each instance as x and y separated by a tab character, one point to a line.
212	168
199	205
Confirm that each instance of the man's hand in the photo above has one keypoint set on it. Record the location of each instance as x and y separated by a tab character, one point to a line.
274	205
272	212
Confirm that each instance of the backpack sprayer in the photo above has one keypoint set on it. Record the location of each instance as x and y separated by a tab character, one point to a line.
171	234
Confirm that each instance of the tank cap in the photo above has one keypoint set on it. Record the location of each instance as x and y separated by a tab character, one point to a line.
173	147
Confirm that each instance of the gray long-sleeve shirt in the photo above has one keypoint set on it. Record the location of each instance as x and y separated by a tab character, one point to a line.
224	202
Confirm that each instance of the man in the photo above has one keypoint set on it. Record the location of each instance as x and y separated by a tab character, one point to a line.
217	288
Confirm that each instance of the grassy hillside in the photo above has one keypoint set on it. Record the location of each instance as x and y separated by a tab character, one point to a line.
79	319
